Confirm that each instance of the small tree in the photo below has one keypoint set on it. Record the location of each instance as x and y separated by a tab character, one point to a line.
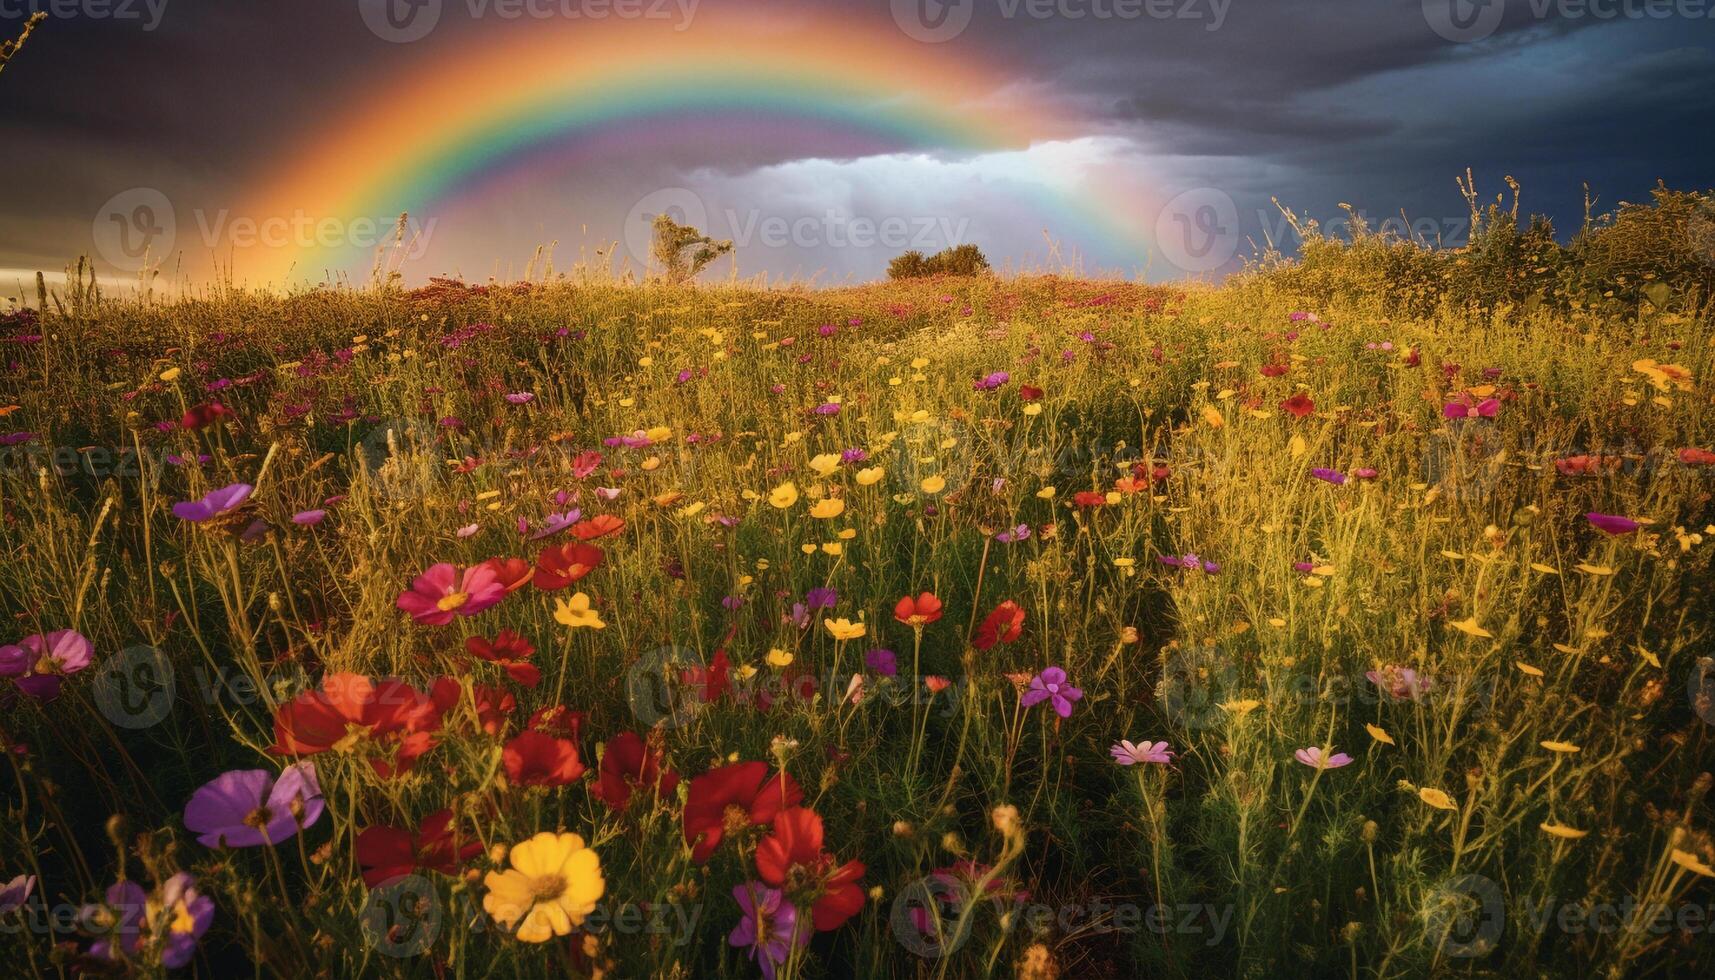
911	265
683	251
961	260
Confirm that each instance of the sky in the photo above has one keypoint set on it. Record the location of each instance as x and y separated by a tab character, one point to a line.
277	142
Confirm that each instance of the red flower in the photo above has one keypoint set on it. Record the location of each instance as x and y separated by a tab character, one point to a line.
513	573
1274	369
628	764
511	652
584	463
350	709
204	415
1089	498
1585	465
1299	405
557	720
1696	457
560	565
389	852
493	705
599	526
1001	626
732	798
539	759
791	857
918	612
1030	393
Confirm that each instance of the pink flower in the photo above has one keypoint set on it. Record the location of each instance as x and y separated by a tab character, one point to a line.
1315	758
1612	523
442	592
1399	683
1467	407
1125	753
39	663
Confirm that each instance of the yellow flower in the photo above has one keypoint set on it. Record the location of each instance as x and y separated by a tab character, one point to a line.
1033	409
833	548
554	882
1563	831
1213	417
1563	747
873	474
1469	627
828	508
844	629
825	464
171	374
779	658
784	495
1378	733
934	484
577	613
1046	493
1436	799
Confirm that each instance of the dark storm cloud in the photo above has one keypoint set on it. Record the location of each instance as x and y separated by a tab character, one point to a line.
1317	101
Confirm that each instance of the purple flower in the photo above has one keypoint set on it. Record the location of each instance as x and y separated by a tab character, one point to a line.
248	807
173	919
213	503
520	397
16	893
309	518
1125	753
15	438
1190	562
769	926
1051	686
39	663
992	381
821	599
733	603
557	523
1316	758
883	662
1013	535
854	455
1331	476
1612	523
1364	473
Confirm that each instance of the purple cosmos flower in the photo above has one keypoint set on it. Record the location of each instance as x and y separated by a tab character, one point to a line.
1612	523
1399	683
1051	686
1304	566
248	807
469	530
1013	535
1466	407
40	663
1126	753
16	893
607	493
173	919
828	408
883	662
992	381
213	503
769	926
1190	562
1331	476
557	523
799	616
309	518
1365	473
1315	758
16	438
520	397
821	599
854	455
733	603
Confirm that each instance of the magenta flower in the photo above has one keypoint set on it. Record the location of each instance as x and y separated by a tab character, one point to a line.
992	381
1125	753
1330	476
1315	758
1051	686
1467	407
1365	473
214	503
1612	523
556	523
309	518
520	397
1400	683
1190	562
769	927
249	807
1014	535
442	592
39	663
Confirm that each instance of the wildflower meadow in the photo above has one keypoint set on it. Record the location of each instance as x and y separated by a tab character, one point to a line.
952	626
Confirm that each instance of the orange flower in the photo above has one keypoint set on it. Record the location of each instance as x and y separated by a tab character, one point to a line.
560	565
919	612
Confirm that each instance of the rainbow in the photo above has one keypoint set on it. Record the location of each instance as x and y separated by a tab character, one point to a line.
470	113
